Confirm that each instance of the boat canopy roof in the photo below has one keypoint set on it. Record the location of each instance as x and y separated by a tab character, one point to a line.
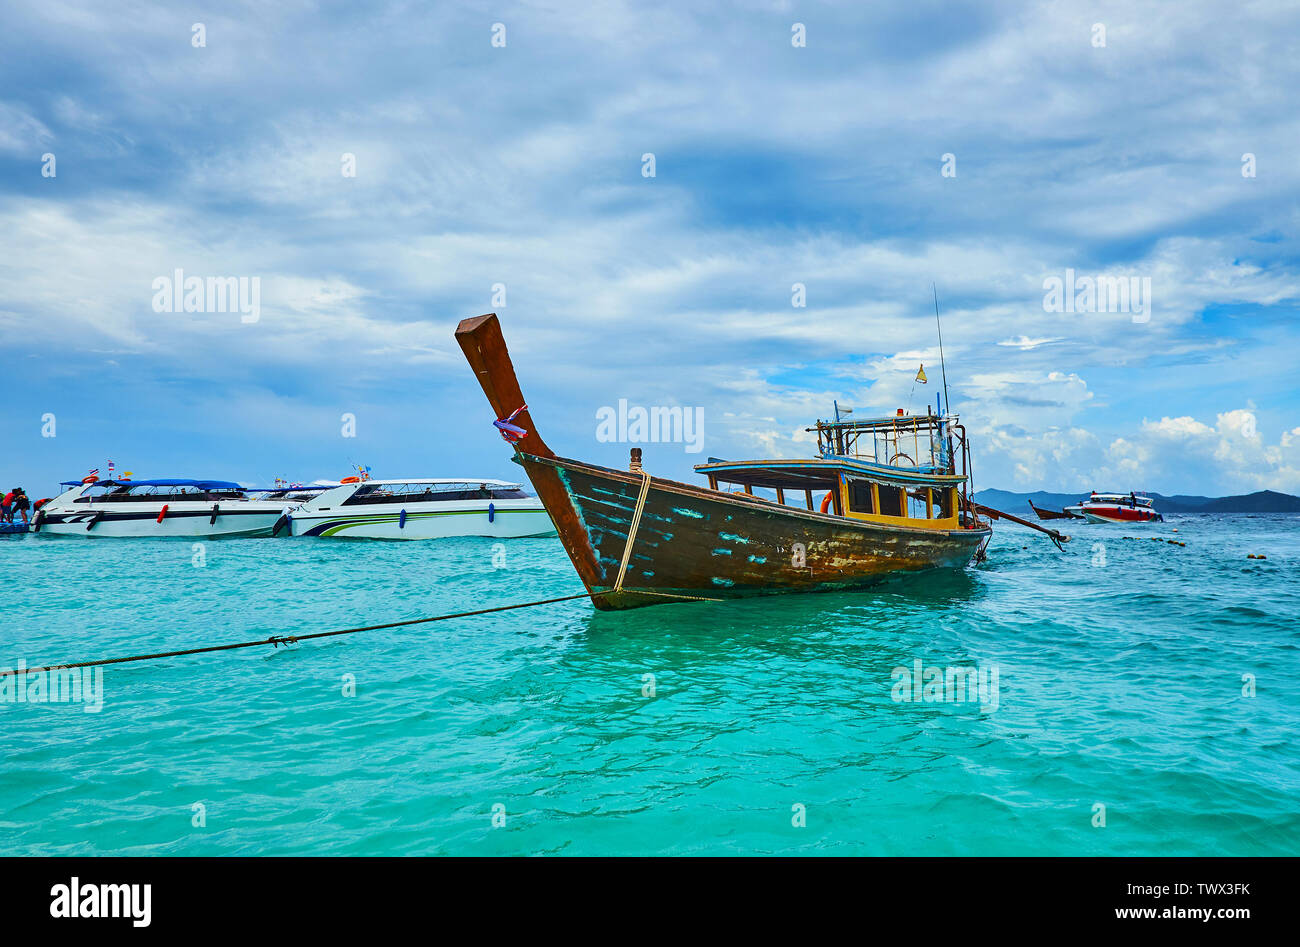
200	484
920	441
438	481
1118	498
821	473
924	422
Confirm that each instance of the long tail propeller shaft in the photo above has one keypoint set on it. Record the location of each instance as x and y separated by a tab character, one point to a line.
1055	535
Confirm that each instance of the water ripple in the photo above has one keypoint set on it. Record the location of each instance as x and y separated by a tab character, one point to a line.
1121	685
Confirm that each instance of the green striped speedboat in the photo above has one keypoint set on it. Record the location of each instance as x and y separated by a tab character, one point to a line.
422	509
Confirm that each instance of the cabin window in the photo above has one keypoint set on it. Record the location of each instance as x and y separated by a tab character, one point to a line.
916	504
860	497
944	503
891	501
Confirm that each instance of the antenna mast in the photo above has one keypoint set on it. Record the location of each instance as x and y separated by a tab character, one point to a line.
942	367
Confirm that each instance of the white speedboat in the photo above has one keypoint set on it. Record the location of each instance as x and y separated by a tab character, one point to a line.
1129	508
159	508
422	509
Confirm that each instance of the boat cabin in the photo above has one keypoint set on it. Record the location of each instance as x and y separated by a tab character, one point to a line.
897	470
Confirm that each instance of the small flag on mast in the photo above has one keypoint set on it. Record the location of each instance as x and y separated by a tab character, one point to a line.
920	375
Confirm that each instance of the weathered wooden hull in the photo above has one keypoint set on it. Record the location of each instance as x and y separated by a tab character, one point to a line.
695	543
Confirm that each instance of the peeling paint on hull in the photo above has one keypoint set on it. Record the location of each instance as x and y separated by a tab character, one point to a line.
698	543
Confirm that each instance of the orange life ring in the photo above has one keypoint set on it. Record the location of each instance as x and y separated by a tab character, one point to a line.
90	479
826	503
350	480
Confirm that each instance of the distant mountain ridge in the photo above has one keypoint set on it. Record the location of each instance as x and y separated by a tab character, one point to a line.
1265	501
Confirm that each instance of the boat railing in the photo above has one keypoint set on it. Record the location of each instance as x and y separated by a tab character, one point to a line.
910	441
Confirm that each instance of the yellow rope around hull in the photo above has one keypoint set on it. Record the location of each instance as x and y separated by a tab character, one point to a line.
631	530
627	553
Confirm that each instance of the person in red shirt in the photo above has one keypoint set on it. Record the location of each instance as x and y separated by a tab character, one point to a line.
7	506
21	503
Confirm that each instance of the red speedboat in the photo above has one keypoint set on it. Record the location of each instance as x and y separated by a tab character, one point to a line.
1116	508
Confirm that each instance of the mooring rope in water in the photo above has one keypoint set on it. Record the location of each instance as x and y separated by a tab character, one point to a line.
277	640
286	640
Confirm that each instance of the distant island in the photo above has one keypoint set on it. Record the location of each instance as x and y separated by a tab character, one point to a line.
1265	501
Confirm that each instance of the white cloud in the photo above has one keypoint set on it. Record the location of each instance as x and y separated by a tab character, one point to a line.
1025	343
21	133
1233	453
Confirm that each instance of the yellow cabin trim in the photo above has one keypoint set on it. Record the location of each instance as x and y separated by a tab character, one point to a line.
928	522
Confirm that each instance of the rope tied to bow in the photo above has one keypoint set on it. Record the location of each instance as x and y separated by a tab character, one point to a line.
633	526
510	432
277	640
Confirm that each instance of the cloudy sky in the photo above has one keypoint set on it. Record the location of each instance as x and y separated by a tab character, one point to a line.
984	148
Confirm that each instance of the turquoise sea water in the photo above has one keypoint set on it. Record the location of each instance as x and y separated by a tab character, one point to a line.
1120	677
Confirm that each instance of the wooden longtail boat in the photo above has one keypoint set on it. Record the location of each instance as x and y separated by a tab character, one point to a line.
640	540
1051	514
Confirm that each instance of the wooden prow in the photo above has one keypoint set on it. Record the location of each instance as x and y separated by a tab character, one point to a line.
484	346
485	349
1049	514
